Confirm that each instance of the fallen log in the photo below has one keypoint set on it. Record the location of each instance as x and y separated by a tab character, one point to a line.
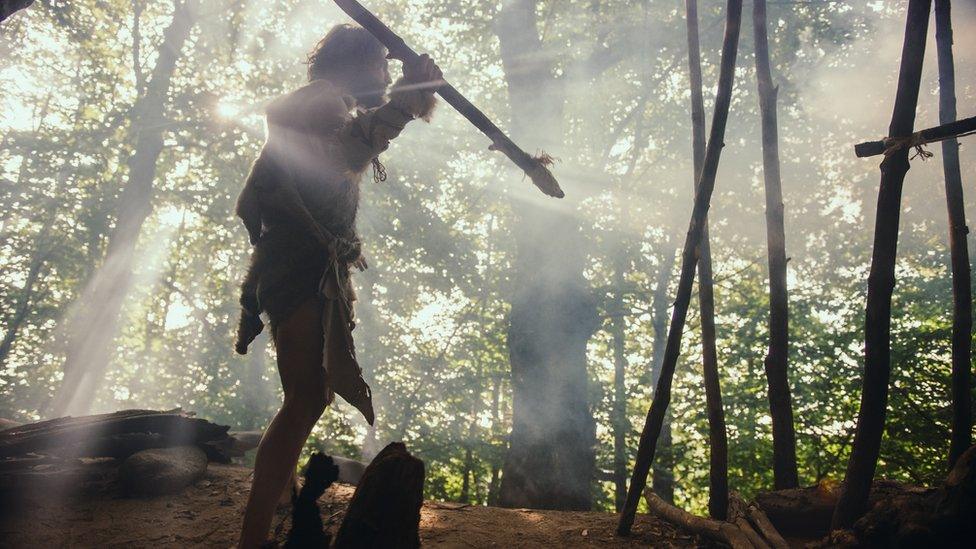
942	517
385	509
720	531
117	435
762	524
738	516
806	512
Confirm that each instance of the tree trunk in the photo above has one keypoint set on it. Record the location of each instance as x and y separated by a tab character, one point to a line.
962	304
466	478
662	394
663	479
718	471
620	424
23	308
550	462
881	282
493	486
780	405
93	328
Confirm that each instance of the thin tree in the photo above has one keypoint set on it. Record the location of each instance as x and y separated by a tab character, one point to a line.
689	260
662	481
962	304
780	405
718	473
92	330
881	281
619	420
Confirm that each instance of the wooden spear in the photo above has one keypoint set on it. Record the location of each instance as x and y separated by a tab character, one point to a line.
534	167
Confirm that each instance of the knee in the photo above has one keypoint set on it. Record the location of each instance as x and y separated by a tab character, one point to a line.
307	406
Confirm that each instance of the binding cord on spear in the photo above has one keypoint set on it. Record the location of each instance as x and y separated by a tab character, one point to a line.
537	168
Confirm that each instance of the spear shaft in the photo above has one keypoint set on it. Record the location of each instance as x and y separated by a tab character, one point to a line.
535	168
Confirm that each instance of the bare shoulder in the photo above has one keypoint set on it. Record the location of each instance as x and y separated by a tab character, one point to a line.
317	103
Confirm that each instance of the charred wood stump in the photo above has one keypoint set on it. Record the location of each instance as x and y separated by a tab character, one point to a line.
385	509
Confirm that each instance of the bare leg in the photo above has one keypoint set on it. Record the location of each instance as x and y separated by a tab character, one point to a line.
299	345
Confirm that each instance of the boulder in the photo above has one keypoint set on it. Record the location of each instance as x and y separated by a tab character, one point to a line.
160	471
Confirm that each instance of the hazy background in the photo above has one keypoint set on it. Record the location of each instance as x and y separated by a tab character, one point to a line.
74	82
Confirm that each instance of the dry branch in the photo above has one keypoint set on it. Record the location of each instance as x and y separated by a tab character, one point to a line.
737	516
762	525
716	530
662	393
949	130
535	167
718	445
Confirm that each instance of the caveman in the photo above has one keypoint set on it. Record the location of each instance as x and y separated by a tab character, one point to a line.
299	206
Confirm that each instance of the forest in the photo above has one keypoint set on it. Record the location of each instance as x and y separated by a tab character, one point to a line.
513	341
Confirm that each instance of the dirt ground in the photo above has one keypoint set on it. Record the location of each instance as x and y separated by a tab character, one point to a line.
208	514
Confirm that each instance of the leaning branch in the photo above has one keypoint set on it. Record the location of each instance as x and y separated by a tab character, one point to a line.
689	260
534	167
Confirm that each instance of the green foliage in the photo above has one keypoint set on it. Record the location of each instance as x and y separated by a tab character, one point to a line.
433	307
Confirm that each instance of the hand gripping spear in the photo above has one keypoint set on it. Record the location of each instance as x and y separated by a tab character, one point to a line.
535	167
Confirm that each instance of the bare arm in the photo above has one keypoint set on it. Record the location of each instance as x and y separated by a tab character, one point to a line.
368	134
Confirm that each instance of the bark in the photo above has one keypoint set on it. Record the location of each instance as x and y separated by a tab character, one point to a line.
738	516
25	299
385	509
962	304
91	332
780	405
620	424
551	461
466	478
881	282
117	434
715	530
718	470
495	418
663	479
942	132
662	394
765	527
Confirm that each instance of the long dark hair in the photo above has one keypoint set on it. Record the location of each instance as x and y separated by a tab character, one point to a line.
345	47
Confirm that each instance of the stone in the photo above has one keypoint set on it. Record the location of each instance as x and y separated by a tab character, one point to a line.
160	471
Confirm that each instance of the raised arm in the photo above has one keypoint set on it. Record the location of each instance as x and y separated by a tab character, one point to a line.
369	133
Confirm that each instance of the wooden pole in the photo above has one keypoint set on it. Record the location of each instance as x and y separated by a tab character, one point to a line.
718	448
713	152
881	282
962	304
948	130
533	167
780	405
